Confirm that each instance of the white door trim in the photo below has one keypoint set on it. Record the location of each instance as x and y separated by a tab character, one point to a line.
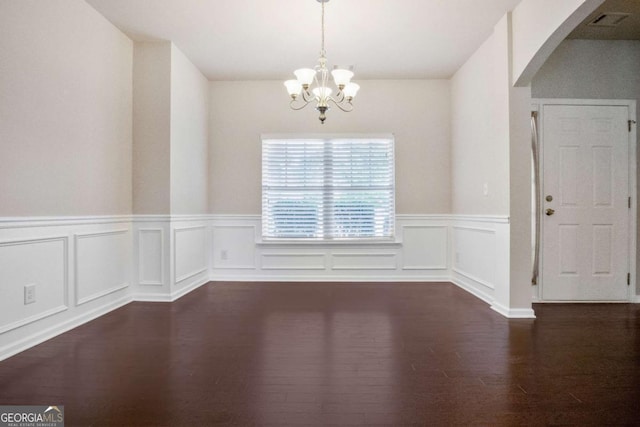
537	105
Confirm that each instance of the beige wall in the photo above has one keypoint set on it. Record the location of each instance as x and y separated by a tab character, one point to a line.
480	132
189	136
171	124
417	112
151	128
65	111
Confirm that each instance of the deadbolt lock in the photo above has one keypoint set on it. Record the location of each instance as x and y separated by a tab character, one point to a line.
549	212
549	198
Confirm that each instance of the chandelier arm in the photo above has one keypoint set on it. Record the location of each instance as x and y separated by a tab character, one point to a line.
295	107
347	108
308	96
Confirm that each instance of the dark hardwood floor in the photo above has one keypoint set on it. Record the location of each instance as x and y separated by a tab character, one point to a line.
337	354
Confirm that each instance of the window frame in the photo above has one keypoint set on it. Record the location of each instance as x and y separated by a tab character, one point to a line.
325	137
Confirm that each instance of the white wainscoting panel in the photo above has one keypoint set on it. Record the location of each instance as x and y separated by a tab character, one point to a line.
293	261
41	262
364	261
102	263
172	253
425	247
475	250
151	257
480	255
234	246
190	252
84	267
419	253
81	269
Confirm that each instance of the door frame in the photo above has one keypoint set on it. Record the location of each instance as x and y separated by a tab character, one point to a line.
537	105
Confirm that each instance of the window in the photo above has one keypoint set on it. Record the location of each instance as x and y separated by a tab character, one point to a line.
328	188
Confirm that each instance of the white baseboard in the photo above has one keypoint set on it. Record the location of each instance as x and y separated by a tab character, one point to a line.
162	297
42	336
185	290
324	278
467	286
152	297
513	313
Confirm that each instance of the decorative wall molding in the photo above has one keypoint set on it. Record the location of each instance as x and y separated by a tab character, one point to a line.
364	261
495	219
418	251
99	263
475	247
420	256
15	313
478	229
290	263
163	257
44	221
53	221
422	217
100	266
189	253
81	269
233	217
221	231
170	218
148	253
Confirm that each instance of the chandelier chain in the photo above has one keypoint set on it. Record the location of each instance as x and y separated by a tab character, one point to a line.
322	52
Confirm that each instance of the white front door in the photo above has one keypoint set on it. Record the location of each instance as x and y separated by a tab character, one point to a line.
585	203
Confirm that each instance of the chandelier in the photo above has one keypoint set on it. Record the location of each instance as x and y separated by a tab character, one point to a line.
302	93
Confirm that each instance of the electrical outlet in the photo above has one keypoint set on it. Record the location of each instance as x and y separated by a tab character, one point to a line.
485	189
29	294
457	257
224	255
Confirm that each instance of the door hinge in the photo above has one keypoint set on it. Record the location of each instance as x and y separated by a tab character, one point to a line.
630	122
629	202
628	279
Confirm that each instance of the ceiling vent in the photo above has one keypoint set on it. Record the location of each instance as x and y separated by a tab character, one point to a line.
609	19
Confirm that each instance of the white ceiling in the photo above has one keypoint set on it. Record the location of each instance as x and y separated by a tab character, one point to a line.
267	39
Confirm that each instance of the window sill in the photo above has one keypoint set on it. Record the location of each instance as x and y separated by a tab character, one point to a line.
337	243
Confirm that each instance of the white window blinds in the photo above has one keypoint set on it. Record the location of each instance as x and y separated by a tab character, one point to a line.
328	188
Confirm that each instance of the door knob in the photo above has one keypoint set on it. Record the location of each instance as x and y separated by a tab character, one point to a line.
549	212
